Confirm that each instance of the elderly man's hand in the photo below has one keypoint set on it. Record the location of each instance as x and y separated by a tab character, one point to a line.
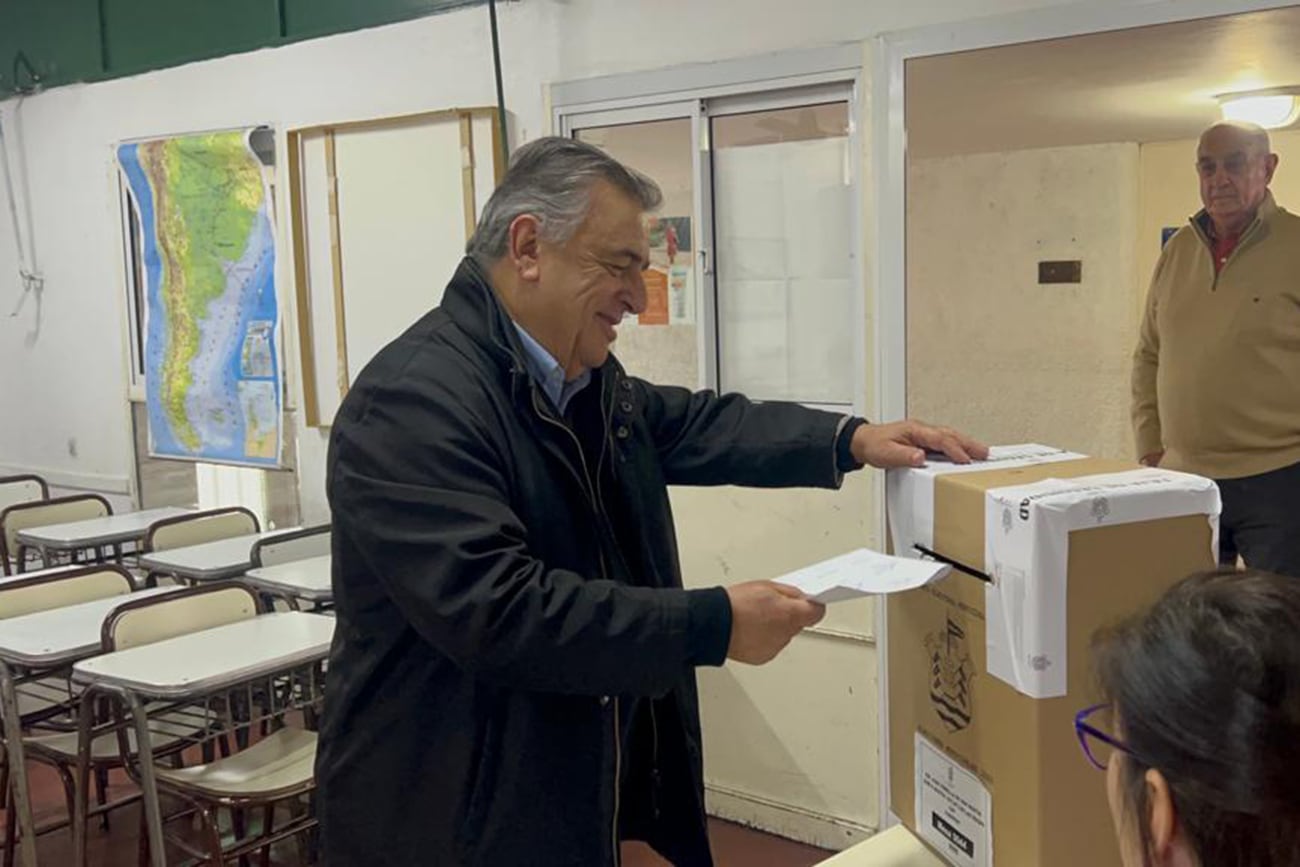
904	444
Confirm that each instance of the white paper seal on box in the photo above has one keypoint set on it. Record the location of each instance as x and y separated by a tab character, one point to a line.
910	492
1026	552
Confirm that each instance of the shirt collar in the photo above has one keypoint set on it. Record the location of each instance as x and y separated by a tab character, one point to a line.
548	374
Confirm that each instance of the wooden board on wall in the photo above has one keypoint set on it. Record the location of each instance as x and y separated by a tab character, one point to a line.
375	256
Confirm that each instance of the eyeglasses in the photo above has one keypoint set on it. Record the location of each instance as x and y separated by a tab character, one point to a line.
1098	746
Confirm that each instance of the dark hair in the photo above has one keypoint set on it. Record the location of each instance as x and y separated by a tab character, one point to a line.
551	178
1206	688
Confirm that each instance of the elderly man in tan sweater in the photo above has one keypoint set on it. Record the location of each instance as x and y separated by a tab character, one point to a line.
1216	375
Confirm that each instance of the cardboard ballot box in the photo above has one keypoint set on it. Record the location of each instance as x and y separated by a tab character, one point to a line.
986	672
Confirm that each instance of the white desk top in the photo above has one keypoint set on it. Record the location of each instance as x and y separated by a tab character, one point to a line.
54	638
109	530
201	662
897	847
302	579
211	561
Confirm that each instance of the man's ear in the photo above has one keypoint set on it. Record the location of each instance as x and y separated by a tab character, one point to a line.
1270	166
525	247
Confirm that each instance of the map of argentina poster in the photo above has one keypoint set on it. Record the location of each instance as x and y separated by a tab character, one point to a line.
207	249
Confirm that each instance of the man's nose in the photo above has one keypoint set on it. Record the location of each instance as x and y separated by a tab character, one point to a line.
635	291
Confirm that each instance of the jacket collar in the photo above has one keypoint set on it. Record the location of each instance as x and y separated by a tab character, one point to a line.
472	304
1264	216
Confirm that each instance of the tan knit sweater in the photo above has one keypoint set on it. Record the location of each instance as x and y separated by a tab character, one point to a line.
1216	375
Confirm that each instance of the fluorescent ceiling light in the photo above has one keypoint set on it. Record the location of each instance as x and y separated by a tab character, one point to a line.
1269	109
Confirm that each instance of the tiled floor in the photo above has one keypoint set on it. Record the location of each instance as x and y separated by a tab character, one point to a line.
733	845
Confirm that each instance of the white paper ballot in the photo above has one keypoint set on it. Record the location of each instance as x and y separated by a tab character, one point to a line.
862	573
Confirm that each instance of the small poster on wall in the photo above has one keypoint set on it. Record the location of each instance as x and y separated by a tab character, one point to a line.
656	294
671	255
679	294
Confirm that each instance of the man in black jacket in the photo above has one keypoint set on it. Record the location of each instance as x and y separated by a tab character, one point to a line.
512	677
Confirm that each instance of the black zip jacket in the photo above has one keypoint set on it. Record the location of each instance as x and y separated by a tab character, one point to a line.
512	677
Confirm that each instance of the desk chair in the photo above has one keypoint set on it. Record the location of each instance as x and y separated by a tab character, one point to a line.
277	767
286	547
46	702
42	513
196	528
22	489
296	545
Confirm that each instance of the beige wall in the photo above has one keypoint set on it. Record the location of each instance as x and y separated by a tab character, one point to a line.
988	348
800	732
992	351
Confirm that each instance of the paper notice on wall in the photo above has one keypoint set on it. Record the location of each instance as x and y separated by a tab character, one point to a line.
910	492
672	253
681	294
656	298
954	811
1026	552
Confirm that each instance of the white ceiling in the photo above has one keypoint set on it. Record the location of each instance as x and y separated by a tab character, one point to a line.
1146	84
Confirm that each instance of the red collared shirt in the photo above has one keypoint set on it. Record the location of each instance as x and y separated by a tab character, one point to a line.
1222	248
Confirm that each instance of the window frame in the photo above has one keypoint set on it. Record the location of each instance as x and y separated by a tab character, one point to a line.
700	92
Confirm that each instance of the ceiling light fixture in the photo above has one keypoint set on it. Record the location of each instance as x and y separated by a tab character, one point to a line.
1272	108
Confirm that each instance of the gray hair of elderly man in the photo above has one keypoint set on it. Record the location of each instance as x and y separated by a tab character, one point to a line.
551	179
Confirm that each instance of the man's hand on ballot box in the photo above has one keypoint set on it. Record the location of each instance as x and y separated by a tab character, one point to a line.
905	444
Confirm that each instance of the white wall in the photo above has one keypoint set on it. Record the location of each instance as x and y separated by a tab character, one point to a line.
811	768
428	63
991	350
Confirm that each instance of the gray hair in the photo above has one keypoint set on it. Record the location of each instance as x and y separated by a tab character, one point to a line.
551	178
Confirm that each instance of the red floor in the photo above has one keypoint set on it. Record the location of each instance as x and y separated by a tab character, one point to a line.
733	845
737	846
116	847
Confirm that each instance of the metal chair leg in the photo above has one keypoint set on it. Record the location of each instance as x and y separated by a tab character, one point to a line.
11	831
101	794
142	850
213	829
268	825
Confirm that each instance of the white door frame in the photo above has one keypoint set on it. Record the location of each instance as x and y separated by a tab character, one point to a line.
889	52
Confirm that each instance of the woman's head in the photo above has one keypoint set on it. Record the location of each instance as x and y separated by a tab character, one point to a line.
1204	693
